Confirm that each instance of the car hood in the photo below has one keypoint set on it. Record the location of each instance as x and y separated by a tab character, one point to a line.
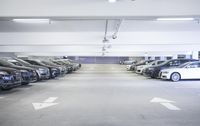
9	70
36	66
21	68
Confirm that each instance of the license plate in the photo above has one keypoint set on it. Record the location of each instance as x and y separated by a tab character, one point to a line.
7	78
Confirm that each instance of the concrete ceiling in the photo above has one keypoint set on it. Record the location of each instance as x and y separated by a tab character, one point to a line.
77	27
98	8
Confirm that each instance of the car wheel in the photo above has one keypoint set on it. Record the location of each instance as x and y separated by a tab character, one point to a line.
25	83
175	77
38	78
5	88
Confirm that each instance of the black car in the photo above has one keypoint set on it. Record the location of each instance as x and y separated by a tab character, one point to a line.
74	65
9	78
61	68
54	71
68	66
42	72
144	62
28	74
154	71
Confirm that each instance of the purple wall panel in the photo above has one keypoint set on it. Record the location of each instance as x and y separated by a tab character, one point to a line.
99	60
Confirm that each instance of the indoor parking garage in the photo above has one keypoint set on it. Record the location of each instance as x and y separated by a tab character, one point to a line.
99	63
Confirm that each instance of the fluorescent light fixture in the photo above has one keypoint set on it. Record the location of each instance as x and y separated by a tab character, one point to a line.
112	1
175	19
31	20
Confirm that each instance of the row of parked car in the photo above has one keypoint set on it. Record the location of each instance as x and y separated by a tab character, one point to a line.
174	69
15	72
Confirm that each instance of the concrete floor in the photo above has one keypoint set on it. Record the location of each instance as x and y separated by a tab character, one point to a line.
102	95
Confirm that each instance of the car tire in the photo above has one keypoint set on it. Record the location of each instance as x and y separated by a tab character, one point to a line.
175	77
5	88
25	83
38	78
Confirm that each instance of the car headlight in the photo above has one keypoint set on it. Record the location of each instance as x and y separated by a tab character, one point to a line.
53	69
41	70
3	73
164	72
151	68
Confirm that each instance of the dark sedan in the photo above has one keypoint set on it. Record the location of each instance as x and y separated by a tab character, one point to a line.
68	66
54	71
42	72
28	74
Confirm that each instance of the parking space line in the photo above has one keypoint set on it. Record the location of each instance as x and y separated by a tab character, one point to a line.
167	103
45	104
170	106
50	99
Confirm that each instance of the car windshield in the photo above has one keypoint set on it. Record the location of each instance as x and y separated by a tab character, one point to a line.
4	63
23	62
151	63
15	62
67	62
165	62
61	63
183	65
48	63
36	61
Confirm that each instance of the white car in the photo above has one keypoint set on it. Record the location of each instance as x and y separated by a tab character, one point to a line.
128	67
129	62
139	69
190	70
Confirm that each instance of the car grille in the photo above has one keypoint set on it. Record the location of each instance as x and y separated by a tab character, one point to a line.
14	77
25	76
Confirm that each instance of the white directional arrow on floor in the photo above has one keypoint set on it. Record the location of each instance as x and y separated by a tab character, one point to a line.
46	103
167	103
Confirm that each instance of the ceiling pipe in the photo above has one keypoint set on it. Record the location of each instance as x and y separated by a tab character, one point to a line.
114	36
106	31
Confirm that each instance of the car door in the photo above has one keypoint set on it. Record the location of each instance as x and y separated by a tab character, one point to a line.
191	71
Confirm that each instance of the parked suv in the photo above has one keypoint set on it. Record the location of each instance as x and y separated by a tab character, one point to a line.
68	66
9	78
28	74
62	69
54	71
42	72
154	71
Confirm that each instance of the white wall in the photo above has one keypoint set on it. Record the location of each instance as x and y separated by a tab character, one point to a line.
90	43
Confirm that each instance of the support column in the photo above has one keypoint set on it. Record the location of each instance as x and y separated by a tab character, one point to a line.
195	55
188	56
175	56
146	57
153	57
162	58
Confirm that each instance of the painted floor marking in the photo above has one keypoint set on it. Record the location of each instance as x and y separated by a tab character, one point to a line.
50	99
46	103
166	103
170	106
